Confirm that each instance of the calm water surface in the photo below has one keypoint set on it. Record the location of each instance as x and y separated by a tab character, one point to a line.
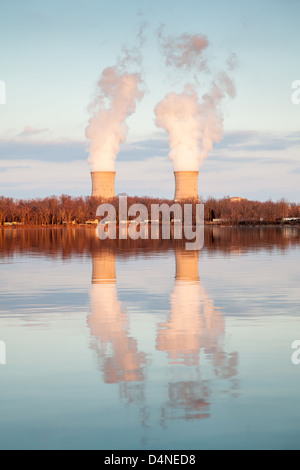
139	345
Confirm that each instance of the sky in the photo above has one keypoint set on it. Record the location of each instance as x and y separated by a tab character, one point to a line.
53	53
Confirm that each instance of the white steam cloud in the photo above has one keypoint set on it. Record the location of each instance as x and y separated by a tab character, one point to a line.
117	95
193	123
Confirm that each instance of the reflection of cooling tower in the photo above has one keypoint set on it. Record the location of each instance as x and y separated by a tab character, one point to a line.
187	265
103	183
117	351
194	323
186	185
104	268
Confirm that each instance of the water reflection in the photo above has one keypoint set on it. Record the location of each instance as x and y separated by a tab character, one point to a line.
194	326
117	352
193	339
163	340
68	242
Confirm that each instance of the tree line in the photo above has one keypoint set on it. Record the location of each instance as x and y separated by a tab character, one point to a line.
67	210
244	211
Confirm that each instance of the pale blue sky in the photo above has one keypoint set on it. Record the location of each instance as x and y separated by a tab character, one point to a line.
51	54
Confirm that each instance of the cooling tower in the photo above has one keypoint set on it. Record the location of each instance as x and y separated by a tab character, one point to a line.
186	185
103	183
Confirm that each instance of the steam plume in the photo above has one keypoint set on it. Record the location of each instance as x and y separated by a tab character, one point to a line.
193	123
117	95
184	51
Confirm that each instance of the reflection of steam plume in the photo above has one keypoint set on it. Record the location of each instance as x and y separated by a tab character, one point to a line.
117	95
192	125
117	352
194	325
190	397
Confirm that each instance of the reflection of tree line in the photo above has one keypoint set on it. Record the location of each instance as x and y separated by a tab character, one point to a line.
69	242
192	337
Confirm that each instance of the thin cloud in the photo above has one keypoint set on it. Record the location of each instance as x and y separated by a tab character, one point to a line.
40	168
29	131
55	151
258	141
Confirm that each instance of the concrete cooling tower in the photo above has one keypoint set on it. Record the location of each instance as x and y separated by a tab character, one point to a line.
186	185
103	184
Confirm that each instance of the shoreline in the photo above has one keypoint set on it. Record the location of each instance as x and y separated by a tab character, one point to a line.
206	224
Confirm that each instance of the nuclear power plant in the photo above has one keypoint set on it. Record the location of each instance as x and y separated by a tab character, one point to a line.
186	185
103	184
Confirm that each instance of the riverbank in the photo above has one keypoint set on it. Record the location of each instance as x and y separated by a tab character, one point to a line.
90	226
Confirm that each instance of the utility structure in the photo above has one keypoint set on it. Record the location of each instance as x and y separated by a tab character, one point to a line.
103	184
186	185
